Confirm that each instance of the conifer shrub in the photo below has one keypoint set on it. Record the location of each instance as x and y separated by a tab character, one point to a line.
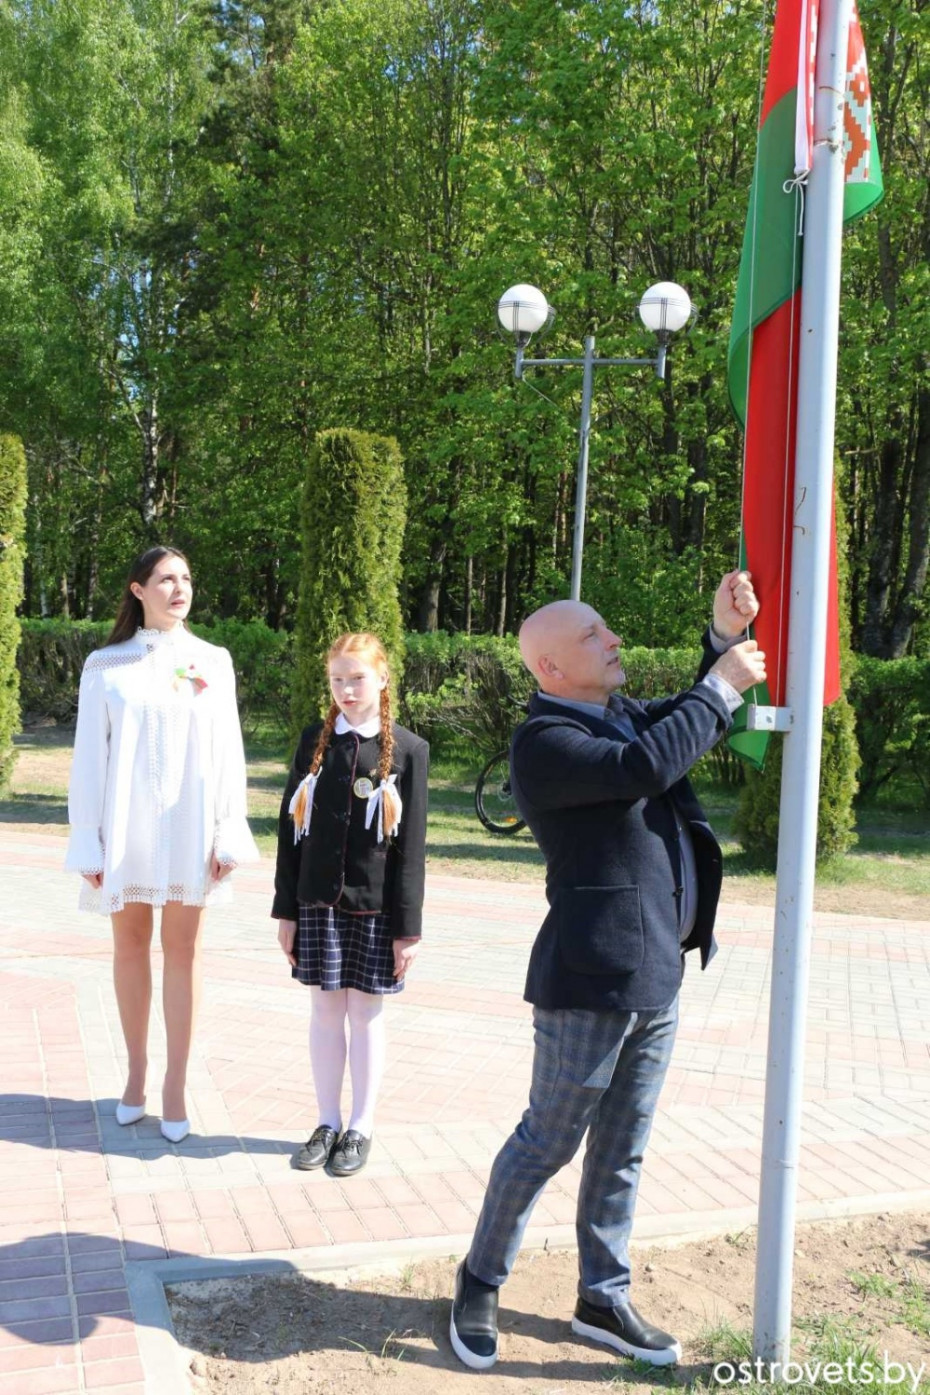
756	822
353	514
757	817
12	534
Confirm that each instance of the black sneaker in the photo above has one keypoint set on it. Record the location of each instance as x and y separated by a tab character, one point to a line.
473	1325
623	1329
350	1154
317	1149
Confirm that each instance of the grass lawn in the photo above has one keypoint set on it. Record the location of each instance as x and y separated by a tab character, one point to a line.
887	874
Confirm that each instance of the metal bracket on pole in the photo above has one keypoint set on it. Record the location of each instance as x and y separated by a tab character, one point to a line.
769	718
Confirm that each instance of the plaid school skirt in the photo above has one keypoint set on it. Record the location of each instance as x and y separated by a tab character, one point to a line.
336	950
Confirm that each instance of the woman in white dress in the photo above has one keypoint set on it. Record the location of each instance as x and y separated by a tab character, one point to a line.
157	807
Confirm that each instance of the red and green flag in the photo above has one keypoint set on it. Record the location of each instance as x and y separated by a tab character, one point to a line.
764	347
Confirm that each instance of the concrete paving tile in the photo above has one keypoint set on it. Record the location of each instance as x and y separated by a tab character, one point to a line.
99	1280
175	1205
144	1242
47	1286
124	1370
109	1347
226	1237
345	1227
103	1324
43	1332
47	1381
266	1232
31	1356
114	1300
460	1054
307	1231
184	1238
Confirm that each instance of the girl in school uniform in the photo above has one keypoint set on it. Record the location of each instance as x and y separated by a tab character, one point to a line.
349	888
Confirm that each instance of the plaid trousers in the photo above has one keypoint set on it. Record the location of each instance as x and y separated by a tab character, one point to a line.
599	1072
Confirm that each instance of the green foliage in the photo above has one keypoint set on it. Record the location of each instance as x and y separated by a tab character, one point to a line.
757	818
52	654
892	701
227	227
353	514
654	598
12	531
466	693
263	661
469	690
51	657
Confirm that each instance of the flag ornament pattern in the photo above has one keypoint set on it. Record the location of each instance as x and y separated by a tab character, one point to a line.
762	368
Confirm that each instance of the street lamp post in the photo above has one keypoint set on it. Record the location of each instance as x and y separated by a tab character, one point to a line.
524	309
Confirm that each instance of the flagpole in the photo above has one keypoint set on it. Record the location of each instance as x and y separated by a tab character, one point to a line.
807	644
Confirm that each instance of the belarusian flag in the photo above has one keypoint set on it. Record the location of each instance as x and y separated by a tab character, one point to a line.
764	348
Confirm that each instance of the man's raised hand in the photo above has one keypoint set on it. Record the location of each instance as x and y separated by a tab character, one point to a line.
742	666
735	605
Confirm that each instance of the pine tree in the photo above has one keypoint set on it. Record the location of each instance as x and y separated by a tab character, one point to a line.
12	531
353	514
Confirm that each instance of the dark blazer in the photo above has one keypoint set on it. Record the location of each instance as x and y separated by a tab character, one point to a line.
602	809
339	862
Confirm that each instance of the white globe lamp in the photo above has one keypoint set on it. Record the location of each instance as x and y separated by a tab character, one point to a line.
523	310
665	308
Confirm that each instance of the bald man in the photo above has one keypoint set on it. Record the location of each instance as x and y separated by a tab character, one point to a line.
632	879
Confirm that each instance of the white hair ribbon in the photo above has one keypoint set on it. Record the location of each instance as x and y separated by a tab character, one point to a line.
375	801
301	806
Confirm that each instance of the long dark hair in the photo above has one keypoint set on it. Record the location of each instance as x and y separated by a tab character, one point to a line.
131	615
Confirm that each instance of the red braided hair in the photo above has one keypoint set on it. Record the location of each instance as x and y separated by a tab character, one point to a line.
369	649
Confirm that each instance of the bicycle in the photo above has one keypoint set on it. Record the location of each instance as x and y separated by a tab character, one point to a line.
494	801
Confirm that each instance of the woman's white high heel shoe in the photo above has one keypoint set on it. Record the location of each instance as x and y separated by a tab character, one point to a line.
175	1130
130	1113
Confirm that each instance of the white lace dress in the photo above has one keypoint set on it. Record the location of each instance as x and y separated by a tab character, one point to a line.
158	778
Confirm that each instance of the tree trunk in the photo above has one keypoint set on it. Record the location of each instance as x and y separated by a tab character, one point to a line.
428	613
502	594
469	582
882	550
918	553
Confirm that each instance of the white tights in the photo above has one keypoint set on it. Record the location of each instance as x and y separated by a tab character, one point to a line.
329	1010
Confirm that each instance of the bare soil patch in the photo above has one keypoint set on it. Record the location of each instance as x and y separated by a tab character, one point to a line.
865	1283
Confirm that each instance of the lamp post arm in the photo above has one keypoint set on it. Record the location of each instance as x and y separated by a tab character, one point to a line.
595	362
658	363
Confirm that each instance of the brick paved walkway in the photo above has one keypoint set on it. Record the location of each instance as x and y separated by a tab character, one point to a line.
81	1197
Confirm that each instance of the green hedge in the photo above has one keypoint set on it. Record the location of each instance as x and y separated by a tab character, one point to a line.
12	534
466	693
891	698
52	654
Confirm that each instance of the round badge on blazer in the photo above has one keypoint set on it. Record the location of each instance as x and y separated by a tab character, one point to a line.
363	787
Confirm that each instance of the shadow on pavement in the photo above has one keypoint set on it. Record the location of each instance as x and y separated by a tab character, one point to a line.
89	1126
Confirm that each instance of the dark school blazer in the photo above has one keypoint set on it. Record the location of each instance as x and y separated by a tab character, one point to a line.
339	862
602	809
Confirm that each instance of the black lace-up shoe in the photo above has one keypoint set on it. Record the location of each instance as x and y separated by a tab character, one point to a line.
350	1154
473	1326
317	1149
623	1329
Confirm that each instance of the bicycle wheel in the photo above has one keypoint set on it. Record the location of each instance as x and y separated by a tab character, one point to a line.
494	803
